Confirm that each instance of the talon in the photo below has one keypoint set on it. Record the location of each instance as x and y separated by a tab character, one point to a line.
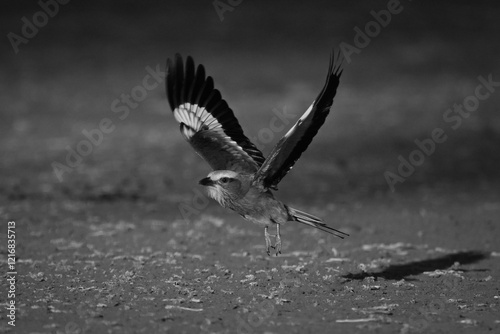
277	246
268	241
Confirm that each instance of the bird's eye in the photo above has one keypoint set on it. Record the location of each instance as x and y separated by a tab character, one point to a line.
224	180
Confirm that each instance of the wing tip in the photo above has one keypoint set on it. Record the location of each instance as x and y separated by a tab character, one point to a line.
335	69
187	83
178	72
336	62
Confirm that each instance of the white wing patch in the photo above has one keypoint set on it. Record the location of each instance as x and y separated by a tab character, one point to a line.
187	132
301	119
197	118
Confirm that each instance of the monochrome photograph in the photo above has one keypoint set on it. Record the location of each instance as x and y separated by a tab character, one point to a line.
234	166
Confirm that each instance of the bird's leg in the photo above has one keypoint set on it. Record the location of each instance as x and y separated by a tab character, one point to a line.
268	240
277	246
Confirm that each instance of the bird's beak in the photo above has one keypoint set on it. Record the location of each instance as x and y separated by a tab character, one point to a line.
206	182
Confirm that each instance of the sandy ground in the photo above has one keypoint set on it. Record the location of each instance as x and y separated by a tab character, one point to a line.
130	267
126	242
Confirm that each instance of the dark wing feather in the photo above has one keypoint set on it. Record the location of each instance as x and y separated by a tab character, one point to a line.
206	121
295	142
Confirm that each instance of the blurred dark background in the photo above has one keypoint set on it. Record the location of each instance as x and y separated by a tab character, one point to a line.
264	56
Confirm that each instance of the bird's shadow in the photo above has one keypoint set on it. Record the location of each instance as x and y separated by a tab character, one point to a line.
400	271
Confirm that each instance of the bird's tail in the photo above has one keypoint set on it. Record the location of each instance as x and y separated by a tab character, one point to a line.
308	219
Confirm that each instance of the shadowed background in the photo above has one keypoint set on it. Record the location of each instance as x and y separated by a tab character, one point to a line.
263	57
123	198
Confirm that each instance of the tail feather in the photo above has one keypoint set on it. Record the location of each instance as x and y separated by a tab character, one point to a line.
310	220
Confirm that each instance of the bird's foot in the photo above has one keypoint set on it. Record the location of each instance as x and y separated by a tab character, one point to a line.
277	246
268	236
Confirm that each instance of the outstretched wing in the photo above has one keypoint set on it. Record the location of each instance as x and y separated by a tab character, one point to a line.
295	142
206	121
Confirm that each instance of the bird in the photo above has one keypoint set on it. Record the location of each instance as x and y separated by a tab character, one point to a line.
242	179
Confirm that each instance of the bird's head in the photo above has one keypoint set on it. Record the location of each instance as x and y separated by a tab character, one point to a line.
225	185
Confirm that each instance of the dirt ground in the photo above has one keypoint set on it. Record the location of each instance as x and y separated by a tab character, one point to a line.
410	265
126	242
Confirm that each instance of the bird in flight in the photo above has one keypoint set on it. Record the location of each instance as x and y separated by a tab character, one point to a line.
242	179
